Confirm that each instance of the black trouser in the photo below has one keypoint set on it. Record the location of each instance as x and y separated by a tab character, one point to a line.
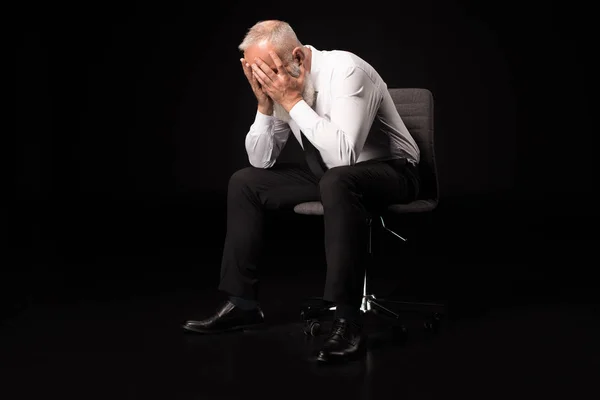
348	193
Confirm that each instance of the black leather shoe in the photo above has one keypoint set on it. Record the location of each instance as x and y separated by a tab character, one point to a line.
227	318
345	342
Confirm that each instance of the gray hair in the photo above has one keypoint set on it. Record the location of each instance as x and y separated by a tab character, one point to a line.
279	33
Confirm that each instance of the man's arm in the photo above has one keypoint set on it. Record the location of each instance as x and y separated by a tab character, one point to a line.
340	139
265	140
267	134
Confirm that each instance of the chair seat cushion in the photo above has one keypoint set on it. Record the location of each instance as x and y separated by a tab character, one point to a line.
309	208
316	207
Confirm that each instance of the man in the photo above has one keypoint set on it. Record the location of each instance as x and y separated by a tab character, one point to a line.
360	157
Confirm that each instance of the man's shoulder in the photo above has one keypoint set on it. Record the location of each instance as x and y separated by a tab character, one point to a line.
339	59
344	64
342	59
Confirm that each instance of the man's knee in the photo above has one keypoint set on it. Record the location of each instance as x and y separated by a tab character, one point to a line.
336	181
245	177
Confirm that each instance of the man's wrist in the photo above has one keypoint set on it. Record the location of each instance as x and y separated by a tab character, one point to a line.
289	104
266	110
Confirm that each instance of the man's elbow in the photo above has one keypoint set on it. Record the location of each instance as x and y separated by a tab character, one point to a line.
262	164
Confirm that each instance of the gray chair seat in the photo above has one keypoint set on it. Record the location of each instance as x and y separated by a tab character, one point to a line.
316	207
309	208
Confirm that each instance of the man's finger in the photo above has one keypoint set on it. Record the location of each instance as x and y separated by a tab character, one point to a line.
247	67
260	74
264	67
247	71
259	79
250	75
278	63
256	86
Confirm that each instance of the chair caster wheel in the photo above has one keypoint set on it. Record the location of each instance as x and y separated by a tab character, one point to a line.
312	327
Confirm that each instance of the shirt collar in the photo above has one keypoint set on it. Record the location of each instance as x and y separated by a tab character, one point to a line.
315	63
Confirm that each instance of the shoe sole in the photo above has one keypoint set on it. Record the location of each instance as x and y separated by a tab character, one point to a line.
360	354
336	360
254	327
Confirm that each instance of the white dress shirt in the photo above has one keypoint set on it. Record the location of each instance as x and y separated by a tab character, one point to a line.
353	119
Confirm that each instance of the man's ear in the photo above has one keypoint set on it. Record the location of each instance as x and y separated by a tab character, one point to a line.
298	55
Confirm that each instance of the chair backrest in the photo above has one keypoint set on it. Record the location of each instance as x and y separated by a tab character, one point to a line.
415	106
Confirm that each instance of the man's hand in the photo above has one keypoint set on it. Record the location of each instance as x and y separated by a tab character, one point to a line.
281	86
265	104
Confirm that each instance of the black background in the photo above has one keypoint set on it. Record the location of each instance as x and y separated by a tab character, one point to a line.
132	116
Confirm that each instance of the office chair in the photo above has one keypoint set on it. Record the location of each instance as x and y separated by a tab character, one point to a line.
415	106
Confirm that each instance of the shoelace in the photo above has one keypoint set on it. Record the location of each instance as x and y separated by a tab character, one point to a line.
339	328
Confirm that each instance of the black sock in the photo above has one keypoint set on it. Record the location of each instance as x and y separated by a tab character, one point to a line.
244	304
351	313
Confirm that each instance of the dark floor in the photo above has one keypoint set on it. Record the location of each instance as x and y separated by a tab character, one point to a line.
132	347
93	313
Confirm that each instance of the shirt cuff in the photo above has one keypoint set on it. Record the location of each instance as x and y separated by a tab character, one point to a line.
263	119
305	117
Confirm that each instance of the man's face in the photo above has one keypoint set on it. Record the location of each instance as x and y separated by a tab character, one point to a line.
261	51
